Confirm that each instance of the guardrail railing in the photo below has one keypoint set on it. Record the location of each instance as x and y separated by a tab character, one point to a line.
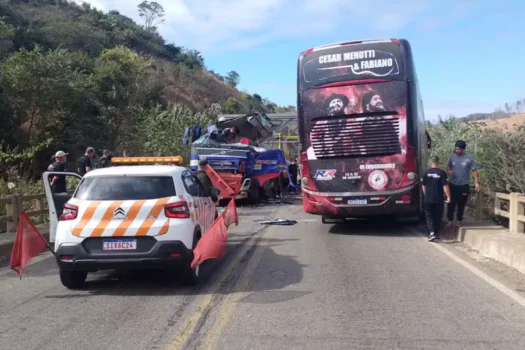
512	207
14	204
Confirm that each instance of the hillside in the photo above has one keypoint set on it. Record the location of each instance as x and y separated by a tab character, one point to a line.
510	122
72	76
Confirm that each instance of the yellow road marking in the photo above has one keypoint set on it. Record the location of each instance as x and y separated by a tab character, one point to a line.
208	301
227	309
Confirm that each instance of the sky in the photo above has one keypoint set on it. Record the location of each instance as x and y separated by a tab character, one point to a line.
469	54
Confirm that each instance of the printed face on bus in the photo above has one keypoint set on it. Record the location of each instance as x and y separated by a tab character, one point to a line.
336	106
375	104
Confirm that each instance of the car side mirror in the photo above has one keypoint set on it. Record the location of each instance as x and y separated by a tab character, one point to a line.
215	192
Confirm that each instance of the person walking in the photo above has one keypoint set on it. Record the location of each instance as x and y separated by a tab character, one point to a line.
437	193
58	182
460	165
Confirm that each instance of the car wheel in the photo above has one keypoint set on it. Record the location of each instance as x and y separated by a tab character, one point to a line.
191	276
73	279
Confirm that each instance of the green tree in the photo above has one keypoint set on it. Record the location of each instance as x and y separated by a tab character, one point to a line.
232	78
233	106
162	129
42	89
123	79
152	13
7	33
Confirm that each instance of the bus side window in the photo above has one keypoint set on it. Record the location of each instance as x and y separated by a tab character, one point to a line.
429	140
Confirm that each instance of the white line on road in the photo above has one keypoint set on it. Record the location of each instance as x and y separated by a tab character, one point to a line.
498	285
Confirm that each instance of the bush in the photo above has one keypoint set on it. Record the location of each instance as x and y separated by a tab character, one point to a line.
498	153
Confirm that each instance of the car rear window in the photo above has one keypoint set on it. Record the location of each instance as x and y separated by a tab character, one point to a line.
125	188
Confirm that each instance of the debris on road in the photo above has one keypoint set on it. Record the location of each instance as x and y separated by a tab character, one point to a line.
279	222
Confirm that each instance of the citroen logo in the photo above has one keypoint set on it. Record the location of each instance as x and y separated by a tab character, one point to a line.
119	214
119	211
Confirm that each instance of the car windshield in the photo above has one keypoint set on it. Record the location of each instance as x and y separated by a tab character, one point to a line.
125	188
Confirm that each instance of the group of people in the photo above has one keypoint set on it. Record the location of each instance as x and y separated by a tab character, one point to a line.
451	187
84	165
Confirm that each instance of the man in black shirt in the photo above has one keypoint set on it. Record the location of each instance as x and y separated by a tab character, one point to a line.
435	187
293	169
84	163
105	161
58	183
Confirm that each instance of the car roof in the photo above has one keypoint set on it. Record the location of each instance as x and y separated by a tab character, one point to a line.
140	170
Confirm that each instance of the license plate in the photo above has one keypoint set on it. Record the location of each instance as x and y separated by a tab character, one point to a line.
358	201
119	244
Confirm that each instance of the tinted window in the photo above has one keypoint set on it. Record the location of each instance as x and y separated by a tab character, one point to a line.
352	62
125	188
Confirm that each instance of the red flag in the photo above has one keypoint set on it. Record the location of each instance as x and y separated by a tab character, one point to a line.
212	245
230	214
29	242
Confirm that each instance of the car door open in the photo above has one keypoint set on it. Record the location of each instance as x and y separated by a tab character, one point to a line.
56	201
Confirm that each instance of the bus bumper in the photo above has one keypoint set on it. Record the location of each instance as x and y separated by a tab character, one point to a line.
347	205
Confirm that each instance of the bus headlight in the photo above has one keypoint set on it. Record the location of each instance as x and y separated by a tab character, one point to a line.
304	181
411	176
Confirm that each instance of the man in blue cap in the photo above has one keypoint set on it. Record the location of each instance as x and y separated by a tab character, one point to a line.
460	165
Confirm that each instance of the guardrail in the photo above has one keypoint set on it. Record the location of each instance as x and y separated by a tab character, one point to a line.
512	207
14	204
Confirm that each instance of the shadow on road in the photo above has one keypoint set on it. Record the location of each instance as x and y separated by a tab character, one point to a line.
381	227
161	283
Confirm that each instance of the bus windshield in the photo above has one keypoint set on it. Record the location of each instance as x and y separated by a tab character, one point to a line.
352	62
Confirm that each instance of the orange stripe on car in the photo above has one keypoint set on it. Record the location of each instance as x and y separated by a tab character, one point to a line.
106	219
164	227
86	218
155	211
131	216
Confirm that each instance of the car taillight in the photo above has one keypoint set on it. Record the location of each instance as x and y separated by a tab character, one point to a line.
242	167
410	176
69	212
306	179
178	210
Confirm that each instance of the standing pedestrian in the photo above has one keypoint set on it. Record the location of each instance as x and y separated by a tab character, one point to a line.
293	169
435	188
105	160
460	165
58	183
84	162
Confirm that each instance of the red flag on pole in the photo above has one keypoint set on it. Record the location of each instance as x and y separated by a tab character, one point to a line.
212	245
29	242
230	214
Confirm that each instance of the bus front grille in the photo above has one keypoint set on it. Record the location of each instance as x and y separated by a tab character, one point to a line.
356	137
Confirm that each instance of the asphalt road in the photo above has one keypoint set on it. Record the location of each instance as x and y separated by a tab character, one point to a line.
368	285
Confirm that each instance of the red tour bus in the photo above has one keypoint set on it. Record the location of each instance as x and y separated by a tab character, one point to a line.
362	130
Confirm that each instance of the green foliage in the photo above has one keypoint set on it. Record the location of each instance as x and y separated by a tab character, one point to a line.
161	129
499	153
72	76
152	13
232	78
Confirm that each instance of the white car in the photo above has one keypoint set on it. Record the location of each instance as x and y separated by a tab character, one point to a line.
129	217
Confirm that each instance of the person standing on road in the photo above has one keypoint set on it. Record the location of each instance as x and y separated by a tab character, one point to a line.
435	188
58	182
460	165
84	162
